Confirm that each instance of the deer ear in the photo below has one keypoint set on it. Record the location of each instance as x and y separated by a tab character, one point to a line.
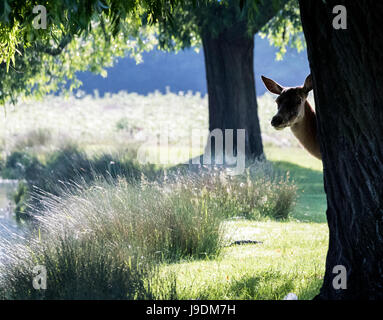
308	86
272	86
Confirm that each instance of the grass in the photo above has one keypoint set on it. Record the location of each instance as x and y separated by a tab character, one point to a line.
106	125
117	121
101	241
291	257
306	171
285	262
76	269
90	232
260	192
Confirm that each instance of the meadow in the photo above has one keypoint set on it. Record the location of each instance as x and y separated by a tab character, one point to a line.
111	227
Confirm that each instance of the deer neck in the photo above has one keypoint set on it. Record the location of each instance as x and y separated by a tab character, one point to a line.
306	131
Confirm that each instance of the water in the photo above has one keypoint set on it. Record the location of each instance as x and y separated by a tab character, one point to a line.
10	229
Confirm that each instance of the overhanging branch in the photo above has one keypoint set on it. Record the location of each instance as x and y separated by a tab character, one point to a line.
55	51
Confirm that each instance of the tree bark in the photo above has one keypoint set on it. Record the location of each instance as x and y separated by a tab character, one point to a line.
229	63
347	71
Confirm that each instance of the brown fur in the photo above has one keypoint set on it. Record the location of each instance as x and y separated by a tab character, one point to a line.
306	132
295	112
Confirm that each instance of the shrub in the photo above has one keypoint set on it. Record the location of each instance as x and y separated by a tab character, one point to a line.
21	165
159	220
70	164
20	197
33	139
258	193
76	269
261	192
123	124
99	241
63	166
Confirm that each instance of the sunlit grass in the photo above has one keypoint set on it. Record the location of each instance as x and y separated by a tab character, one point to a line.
306	171
294	155
289	259
89	232
104	124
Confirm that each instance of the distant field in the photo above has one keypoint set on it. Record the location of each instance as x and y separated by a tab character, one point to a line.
116	121
105	124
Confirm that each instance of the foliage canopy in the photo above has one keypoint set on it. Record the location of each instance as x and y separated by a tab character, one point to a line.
80	35
90	34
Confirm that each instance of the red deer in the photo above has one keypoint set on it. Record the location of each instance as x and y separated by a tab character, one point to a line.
295	112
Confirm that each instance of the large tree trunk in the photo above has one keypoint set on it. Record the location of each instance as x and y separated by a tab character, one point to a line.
229	62
347	73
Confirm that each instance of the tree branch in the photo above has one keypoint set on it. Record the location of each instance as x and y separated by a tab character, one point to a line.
55	51
265	11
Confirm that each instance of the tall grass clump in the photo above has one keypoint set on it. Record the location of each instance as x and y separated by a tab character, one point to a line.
157	218
76	268
66	165
70	163
260	192
100	241
34	140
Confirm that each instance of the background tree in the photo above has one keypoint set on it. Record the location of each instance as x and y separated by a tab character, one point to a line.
226	31
348	76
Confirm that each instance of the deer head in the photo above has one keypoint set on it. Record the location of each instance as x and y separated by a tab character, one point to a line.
290	101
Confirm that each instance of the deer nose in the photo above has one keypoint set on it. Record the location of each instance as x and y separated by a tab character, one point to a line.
276	121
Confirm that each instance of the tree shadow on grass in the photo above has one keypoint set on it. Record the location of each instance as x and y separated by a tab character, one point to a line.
269	285
312	290
266	286
311	205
